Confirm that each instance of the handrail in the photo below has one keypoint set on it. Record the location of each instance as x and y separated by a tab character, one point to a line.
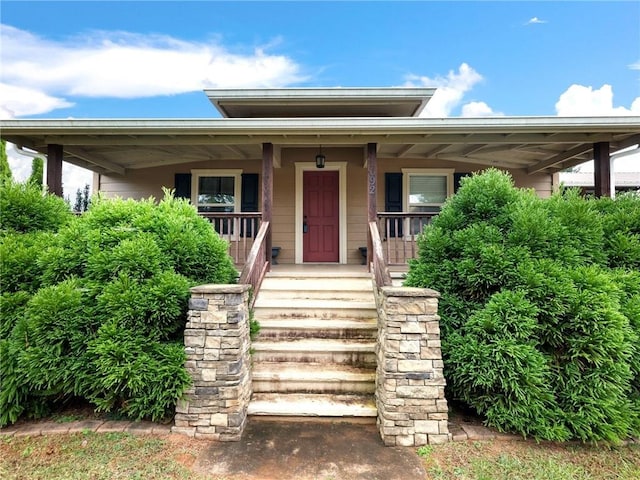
378	265
257	264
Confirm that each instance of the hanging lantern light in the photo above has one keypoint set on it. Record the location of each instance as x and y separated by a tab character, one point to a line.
320	158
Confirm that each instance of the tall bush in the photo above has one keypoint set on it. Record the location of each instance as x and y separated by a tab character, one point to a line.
539	333
97	309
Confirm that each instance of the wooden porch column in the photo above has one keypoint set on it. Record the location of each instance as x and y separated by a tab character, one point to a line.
267	193
372	191
602	169
54	169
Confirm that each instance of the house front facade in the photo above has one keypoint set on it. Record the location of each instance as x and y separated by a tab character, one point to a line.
320	163
328	179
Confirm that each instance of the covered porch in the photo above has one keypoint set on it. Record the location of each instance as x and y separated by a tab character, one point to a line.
254	170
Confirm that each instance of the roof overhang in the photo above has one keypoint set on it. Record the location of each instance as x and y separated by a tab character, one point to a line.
320	102
535	144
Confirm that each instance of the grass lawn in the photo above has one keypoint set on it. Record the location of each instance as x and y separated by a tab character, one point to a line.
124	456
98	456
520	460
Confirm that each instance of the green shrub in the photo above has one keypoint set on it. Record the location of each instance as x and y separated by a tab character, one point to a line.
12	308
594	371
155	307
23	208
621	227
136	258
188	243
498	370
58	324
134	374
539	334
19	266
97	309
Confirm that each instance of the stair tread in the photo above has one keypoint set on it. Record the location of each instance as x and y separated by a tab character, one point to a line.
315	345
318	323
360	284
320	405
311	272
313	372
308	303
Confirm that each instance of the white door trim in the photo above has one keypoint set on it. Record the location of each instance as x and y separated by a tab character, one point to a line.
341	167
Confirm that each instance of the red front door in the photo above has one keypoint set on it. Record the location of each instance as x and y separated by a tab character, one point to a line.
321	234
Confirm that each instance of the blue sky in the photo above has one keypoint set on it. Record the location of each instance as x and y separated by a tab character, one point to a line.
98	59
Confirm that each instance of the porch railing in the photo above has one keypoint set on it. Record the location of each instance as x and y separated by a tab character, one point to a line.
240	230
379	268
257	263
399	232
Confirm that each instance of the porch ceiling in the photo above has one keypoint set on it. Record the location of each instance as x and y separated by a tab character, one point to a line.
536	144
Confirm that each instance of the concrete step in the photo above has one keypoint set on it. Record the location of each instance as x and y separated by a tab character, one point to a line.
358	353
316	284
312	378
292	328
322	271
359	296
307	308
305	405
397	278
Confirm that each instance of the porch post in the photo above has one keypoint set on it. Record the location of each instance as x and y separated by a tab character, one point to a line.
372	191
54	169
602	169
267	193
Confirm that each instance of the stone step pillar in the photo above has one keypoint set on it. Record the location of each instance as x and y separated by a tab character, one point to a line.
217	344
412	409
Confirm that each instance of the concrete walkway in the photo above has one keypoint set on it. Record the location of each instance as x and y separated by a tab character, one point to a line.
271	450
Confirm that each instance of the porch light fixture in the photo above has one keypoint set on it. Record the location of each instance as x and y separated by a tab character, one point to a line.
320	158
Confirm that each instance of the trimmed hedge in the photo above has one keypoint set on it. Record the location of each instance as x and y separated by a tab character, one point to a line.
540	308
96	309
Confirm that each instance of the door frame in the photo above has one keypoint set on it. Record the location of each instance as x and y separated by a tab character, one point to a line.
341	168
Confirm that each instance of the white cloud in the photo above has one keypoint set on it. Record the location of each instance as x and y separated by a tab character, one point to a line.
37	74
16	101
579	100
450	92
126	65
535	21
479	109
635	66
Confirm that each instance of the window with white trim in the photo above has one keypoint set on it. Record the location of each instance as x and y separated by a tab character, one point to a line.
426	191
214	191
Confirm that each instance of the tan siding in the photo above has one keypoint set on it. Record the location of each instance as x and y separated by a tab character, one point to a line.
356	209
148	182
541	182
283	226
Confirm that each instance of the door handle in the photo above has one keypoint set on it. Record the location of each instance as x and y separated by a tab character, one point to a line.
305	227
